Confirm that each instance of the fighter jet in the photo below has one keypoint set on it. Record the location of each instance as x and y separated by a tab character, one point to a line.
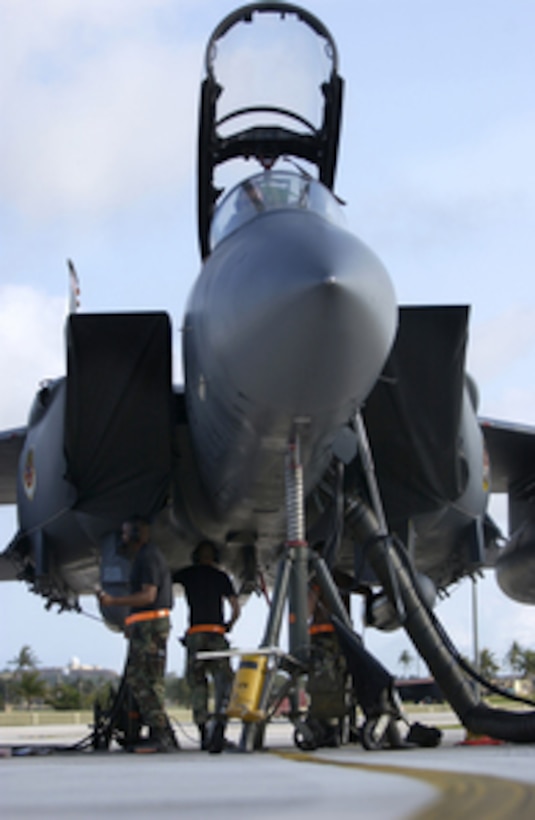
321	429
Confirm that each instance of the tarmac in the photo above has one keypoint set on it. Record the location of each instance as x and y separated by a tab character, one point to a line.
282	782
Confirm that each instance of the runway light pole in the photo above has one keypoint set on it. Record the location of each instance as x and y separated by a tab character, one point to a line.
475	628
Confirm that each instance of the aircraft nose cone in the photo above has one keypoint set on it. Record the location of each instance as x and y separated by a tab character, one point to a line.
303	314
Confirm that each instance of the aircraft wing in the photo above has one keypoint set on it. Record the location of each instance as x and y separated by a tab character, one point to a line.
511	449
11	442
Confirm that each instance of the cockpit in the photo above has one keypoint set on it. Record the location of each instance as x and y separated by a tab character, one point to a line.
272	93
272	191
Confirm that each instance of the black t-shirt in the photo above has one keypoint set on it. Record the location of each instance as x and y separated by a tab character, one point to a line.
205	588
150	567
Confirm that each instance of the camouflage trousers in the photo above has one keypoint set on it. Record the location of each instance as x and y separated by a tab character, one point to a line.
145	671
198	672
327	677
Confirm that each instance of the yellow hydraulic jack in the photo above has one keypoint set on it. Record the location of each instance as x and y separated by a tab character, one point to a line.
247	689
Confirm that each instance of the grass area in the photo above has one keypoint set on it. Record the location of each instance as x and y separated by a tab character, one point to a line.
52	717
44	717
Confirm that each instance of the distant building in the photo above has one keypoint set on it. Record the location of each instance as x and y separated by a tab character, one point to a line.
75	671
523	687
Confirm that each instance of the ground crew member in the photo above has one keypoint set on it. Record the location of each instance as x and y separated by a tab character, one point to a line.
327	675
147	627
206	587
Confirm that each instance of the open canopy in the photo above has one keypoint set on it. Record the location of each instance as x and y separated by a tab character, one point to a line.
271	90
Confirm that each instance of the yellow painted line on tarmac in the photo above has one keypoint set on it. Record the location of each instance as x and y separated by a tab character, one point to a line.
462	794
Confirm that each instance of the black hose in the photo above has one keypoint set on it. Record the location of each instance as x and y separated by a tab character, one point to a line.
463	663
430	638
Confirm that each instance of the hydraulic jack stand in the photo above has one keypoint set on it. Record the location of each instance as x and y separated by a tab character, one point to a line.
291	585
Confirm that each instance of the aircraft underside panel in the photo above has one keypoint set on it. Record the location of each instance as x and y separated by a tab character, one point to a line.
413	413
118	419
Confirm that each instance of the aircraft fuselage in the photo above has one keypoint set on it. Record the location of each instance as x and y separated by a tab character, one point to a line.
287	329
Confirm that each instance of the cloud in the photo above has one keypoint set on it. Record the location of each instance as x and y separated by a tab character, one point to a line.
100	109
31	342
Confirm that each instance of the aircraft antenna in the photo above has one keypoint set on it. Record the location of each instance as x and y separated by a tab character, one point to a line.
74	288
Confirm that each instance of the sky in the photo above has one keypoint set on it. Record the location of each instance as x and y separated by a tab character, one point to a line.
98	104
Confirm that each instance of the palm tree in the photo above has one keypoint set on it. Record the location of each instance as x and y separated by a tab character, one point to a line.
405	659
529	662
26	659
30	687
521	661
488	666
514	658
26	683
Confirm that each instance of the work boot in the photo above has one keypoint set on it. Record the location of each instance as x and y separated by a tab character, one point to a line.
217	738
203	736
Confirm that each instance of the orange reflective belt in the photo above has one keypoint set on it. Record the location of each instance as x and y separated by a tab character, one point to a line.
193	630
317	629
148	615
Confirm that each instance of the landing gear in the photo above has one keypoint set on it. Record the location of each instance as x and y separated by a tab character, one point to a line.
381	731
374	732
372	686
292	585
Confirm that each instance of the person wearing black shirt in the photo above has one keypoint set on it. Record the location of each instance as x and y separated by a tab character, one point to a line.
206	588
147	627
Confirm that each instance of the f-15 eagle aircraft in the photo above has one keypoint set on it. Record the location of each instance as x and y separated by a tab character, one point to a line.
321	428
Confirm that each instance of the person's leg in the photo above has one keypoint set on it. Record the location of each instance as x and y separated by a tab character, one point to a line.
223	679
146	676
198	684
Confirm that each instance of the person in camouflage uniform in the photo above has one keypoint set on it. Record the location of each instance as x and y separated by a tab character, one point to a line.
145	672
197	676
206	587
327	679
147	627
